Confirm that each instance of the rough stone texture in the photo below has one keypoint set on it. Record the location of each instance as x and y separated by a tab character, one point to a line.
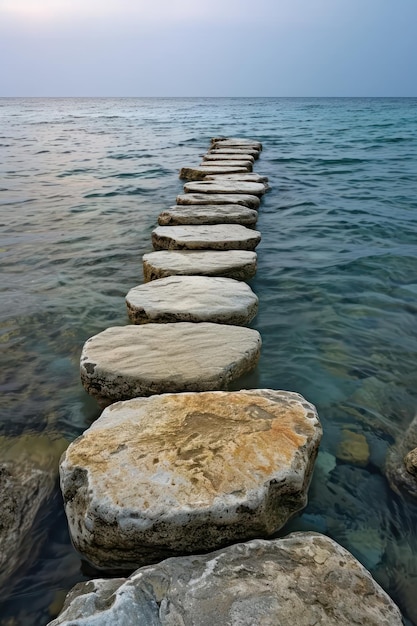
248	165
192	299
252	202
206	237
123	362
213	156
199	173
28	470
226	186
232	142
208	214
304	579
237	264
400	464
187	472
236	150
250	177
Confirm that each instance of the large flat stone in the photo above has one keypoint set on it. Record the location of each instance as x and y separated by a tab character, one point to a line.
226	186
213	156
198	173
232	142
192	299
127	361
206	237
252	202
304	579
187	472
250	177
237	264
208	214
236	150
248	165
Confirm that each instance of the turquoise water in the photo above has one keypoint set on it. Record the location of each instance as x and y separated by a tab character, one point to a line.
81	184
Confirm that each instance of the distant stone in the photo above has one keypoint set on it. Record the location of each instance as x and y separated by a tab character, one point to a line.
229	142
237	264
252	202
192	299
206	237
226	186
353	448
199	173
251	177
187	472
236	150
127	361
247	165
208	214
401	463
305	579
213	156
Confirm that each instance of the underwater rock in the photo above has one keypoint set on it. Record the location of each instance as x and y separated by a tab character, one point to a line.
401	463
123	362
353	448
302	579
192	299
154	477
236	264
205	237
208	214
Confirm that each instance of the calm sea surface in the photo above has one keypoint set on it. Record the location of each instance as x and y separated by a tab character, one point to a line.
82	182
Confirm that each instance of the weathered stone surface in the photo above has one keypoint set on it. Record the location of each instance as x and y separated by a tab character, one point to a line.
192	299
251	177
206	237
208	214
232	142
226	186
123	362
185	472
224	156
199	173
28	470
252	202
248	165
237	264
236	150
401	473
304	579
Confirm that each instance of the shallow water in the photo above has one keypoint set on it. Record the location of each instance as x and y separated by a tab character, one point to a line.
82	182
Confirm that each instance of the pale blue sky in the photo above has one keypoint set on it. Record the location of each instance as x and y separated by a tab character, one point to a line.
208	48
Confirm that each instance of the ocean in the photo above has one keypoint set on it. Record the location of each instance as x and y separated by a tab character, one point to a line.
81	185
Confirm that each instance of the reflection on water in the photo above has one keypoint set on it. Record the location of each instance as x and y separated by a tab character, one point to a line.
82	184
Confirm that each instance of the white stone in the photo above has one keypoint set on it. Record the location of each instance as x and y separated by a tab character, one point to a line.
232	142
185	472
208	214
252	202
226	186
123	362
251	177
247	165
236	150
192	299
199	173
206	237
224	156
237	264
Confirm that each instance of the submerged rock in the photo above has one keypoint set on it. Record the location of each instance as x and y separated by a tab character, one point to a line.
205	237
252	202
201	214
183	472
353	448
304	579
237	264
123	362
28	470
192	299
401	463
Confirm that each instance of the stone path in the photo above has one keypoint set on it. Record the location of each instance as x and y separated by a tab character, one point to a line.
252	202
226	186
207	237
208	214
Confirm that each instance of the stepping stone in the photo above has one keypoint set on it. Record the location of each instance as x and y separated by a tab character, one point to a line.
208	214
252	202
187	472
303	579
212	156
207	237
192	299
248	165
236	150
198	173
227	142
227	186
237	264
123	362
250	177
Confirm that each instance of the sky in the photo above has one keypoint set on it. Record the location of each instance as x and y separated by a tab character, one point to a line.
242	48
